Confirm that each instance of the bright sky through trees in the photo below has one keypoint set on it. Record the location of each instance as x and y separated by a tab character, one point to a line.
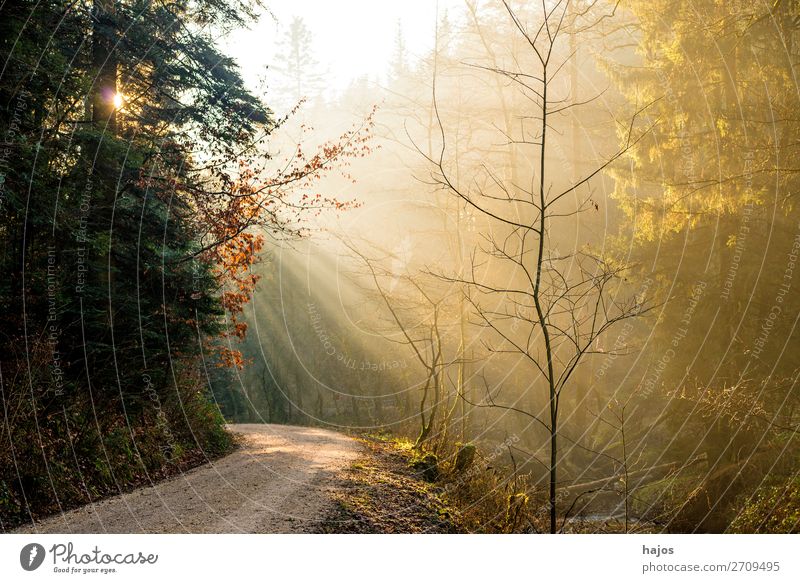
352	38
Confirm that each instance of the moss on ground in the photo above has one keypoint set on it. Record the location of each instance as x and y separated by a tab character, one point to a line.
382	493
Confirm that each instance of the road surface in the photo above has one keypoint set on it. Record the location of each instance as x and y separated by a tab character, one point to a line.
279	481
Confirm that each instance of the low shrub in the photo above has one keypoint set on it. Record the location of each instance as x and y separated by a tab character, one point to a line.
61	450
774	509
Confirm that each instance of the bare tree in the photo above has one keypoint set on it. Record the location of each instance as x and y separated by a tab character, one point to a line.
417	313
552	307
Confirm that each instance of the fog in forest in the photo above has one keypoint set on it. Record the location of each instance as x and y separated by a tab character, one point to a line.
652	307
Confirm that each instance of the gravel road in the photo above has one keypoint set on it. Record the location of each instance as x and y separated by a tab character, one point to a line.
280	481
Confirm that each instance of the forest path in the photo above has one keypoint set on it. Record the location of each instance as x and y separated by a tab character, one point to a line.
281	480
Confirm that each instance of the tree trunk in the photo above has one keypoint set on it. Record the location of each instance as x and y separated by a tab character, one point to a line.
105	64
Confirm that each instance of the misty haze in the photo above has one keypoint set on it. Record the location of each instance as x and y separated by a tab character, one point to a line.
466	266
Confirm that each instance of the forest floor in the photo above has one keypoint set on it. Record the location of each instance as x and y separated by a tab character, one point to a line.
289	479
282	479
381	493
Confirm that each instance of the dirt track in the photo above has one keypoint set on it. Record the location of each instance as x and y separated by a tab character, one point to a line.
280	481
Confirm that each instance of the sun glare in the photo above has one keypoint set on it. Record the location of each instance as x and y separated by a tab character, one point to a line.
119	100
